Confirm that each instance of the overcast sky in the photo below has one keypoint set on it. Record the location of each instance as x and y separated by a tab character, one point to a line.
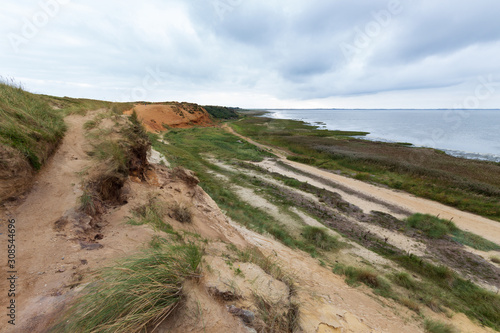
258	53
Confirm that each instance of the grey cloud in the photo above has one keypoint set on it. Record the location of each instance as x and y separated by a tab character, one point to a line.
281	50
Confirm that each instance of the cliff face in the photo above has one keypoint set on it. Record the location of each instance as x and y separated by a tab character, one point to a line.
159	117
16	173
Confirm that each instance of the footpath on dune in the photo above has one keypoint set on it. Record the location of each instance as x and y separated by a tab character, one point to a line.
479	225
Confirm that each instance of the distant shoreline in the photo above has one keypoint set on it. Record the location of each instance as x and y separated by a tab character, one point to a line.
491	157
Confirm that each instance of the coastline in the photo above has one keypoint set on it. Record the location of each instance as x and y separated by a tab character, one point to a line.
409	141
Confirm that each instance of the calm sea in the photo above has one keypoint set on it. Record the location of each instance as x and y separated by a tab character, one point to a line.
465	133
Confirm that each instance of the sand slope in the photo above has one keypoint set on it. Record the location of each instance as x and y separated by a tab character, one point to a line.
158	117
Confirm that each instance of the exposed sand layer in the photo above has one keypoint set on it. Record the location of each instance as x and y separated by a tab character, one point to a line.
158	117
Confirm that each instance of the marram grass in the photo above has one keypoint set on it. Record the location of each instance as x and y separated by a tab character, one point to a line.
137	293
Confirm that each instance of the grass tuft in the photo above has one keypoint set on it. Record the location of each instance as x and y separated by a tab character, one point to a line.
320	238
181	213
87	204
137	293
436	228
404	280
275	318
432	226
152	213
368	277
433	326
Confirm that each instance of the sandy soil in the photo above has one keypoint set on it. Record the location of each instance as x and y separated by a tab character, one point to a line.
154	116
326	301
479	225
366	205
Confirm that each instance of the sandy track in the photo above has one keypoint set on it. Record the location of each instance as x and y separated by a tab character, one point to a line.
48	260
479	225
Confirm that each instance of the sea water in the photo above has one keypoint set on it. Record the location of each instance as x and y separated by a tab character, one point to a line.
465	133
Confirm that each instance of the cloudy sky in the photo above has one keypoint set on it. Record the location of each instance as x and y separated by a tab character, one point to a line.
258	53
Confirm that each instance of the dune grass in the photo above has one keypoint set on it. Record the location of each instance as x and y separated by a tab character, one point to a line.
152	213
137	293
436	228
79	106
440	286
433	326
117	153
28	123
320	238
369	277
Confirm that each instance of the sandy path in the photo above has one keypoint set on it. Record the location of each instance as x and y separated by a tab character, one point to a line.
365	205
479	225
55	190
49	260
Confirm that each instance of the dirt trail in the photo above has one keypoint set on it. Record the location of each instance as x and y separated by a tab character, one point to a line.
39	251
50	260
479	225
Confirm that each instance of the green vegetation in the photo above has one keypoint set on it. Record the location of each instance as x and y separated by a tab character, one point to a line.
435	227
181	213
119	108
116	156
320	238
432	226
188	148
439	287
495	259
469	185
136	293
80	106
152	213
433	326
368	277
275	318
268	264
222	112
404	280
87	203
28	124
443	287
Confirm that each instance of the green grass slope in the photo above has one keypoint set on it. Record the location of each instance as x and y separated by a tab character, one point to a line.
28	123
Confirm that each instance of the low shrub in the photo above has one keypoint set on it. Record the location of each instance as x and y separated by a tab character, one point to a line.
320	238
433	326
181	213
